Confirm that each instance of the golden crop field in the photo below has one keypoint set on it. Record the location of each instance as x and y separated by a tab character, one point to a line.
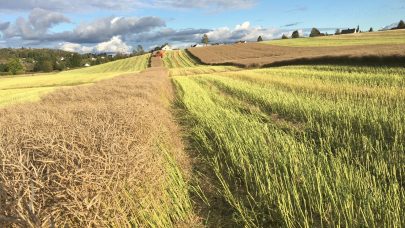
216	114
293	146
30	88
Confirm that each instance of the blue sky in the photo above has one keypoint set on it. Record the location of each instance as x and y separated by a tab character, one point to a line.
79	25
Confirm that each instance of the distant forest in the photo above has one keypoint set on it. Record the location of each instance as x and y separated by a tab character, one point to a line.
28	60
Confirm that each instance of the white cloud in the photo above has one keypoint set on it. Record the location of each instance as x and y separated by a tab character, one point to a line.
36	26
116	44
72	47
242	31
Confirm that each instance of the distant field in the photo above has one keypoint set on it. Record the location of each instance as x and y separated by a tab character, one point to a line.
178	59
30	88
181	63
302	146
367	38
258	54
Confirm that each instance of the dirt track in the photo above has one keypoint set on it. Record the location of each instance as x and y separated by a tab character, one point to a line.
256	55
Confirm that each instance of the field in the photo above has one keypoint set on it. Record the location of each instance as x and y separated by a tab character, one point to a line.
96	156
181	63
308	50
302	146
31	88
367	38
178	59
183	144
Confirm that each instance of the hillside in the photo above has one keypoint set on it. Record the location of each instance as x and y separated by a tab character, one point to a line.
364	48
30	88
366	38
48	60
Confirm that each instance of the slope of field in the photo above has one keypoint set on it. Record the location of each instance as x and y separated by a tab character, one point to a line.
367	38
257	54
180	63
104	155
178	59
304	146
30	88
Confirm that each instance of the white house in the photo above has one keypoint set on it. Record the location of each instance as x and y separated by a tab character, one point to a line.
166	48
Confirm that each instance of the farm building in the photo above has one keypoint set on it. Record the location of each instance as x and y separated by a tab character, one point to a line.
166	48
348	31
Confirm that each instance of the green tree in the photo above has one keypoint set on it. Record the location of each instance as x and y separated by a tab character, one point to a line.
260	39
284	37
358	29
371	30
75	60
338	32
295	34
205	39
60	66
401	25
43	65
3	67
138	51
315	32
14	66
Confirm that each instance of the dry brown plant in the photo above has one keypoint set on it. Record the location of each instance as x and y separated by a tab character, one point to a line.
108	154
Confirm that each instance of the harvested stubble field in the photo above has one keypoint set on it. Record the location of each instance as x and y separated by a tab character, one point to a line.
302	146
261	54
31	88
104	155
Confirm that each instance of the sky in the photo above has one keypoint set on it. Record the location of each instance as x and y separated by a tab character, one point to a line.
121	25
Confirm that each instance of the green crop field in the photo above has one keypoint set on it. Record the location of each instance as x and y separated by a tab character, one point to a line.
30	88
180	63
367	38
177	59
303	146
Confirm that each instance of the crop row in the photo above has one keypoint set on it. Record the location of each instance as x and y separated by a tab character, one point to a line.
177	59
324	149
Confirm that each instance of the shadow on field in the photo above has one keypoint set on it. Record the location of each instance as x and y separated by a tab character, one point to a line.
391	61
254	55
208	204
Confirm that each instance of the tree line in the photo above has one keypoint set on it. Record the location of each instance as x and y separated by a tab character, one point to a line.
314	33
27	60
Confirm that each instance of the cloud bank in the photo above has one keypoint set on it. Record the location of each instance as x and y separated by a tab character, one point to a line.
115	44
